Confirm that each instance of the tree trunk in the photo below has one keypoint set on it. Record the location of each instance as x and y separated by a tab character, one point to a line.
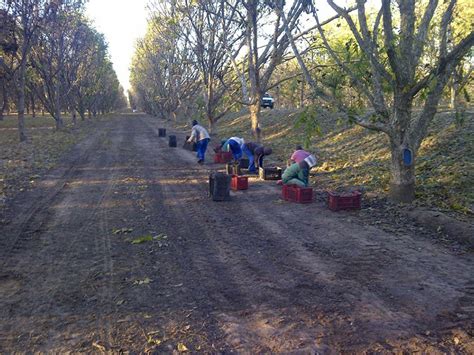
212	125
254	119
4	104
33	109
59	121
74	117
4	99
452	101
21	101
57	110
402	183
302	94
82	111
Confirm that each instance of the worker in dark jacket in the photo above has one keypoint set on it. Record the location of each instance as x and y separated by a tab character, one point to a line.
255	153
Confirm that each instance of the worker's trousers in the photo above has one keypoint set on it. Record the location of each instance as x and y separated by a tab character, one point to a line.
201	147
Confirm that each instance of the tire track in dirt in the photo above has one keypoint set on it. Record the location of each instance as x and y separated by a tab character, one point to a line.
26	223
98	217
54	219
247	263
103	245
197	255
360	267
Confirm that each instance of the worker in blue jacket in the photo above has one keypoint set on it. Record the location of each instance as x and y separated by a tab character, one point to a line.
234	145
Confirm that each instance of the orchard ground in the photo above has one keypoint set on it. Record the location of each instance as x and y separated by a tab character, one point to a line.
118	248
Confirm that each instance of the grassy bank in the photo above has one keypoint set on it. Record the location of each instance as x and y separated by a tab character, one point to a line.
350	155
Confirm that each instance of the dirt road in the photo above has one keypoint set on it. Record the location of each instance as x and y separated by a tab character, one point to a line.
254	274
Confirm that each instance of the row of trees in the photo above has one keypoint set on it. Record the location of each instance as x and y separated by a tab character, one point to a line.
385	68
53	59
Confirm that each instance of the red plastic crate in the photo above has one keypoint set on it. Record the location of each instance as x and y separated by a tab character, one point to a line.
295	193
344	201
284	191
239	182
223	157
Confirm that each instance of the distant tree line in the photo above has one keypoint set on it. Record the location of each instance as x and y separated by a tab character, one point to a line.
53	60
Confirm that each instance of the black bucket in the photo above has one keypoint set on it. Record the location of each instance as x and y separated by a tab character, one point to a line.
219	186
172	141
190	146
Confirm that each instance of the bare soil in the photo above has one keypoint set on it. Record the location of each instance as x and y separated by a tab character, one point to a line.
255	274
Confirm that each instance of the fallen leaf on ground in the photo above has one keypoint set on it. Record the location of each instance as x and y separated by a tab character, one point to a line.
146	238
182	348
152	341
98	346
145	281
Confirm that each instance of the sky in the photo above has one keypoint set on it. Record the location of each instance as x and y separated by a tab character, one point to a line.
122	22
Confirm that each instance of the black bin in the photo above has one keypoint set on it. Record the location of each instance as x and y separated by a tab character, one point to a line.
219	186
190	146
161	132
172	141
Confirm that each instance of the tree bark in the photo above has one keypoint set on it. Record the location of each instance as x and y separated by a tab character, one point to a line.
212	126
21	101
33	108
57	110
402	183
4	101
254	119
74	118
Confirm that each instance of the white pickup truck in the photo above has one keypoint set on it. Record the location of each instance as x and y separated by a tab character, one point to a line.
267	101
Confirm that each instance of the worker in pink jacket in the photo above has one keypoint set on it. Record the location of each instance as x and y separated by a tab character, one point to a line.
298	155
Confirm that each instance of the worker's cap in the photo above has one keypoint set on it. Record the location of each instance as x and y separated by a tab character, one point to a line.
194	122
310	160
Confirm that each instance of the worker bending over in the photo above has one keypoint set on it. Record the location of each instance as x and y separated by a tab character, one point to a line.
200	135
